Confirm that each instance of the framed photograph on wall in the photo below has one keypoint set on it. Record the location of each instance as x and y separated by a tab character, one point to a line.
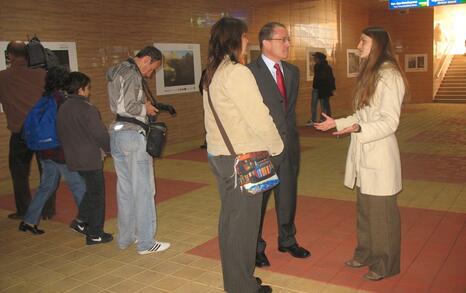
415	62
181	68
253	53
352	62
310	61
65	51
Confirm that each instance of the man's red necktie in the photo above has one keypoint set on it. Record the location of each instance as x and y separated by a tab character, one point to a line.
281	84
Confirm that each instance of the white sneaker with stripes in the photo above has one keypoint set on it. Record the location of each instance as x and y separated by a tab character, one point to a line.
157	247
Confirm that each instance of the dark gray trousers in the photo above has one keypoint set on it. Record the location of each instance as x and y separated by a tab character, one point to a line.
237	228
285	195
379	233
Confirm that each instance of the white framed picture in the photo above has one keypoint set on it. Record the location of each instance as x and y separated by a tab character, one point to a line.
352	62
415	62
253	53
181	68
310	61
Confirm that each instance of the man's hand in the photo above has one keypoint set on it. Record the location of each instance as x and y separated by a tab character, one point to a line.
150	109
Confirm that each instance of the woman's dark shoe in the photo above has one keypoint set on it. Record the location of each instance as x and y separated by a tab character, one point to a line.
373	276
354	263
33	229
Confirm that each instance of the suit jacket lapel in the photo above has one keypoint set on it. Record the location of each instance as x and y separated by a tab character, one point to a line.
266	72
288	80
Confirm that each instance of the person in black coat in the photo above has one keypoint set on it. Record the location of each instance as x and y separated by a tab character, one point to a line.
323	86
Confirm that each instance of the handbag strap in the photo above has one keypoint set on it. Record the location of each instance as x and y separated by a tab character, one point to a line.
220	127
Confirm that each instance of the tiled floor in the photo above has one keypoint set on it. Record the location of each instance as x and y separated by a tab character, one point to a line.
433	202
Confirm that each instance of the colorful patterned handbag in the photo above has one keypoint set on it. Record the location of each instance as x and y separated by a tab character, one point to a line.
254	171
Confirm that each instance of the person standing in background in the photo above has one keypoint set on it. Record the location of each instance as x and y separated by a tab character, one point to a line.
323	86
20	89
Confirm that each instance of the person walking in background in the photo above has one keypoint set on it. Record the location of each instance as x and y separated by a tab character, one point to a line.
323	86
84	138
373	162
137	214
20	89
278	83
231	92
53	165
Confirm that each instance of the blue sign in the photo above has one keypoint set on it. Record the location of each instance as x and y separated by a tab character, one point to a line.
403	4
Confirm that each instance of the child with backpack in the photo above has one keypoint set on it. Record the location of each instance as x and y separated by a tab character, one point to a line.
84	138
39	122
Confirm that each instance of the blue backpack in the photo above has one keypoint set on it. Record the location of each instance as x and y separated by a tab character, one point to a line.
39	129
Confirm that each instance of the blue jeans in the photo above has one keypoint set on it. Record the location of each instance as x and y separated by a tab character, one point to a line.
51	171
135	189
324	106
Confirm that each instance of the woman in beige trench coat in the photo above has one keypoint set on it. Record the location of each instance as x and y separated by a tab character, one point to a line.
373	161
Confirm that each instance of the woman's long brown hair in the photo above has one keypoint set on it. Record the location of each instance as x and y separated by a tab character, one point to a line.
381	52
225	39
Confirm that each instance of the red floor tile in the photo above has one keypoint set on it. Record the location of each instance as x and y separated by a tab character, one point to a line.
66	208
433	245
437	168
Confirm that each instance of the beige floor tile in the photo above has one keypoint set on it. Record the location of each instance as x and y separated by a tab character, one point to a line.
189	273
152	290
89	274
106	281
169	283
185	259
192	287
86	288
148	277
126	271
61	285
167	267
127	286
211	279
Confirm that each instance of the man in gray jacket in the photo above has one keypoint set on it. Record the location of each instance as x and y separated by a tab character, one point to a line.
133	165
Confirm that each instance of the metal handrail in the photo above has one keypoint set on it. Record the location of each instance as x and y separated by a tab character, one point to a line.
446	60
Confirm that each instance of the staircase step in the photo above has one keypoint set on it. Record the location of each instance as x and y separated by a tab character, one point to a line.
450	101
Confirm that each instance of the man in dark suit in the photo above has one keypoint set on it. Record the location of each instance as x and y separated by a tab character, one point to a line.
278	83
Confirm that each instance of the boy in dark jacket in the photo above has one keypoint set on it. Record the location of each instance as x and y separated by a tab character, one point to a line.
84	137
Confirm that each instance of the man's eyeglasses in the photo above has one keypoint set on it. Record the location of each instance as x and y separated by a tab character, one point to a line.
284	39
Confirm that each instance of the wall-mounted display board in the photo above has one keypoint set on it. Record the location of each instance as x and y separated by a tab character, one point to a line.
403	4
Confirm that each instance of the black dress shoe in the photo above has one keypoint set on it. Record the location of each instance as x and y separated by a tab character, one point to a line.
264	289
259	281
33	229
261	260
296	251
15	216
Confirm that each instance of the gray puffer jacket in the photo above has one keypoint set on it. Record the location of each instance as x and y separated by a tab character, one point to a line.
126	95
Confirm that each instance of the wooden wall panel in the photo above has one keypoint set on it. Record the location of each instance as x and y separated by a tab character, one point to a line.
413	29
